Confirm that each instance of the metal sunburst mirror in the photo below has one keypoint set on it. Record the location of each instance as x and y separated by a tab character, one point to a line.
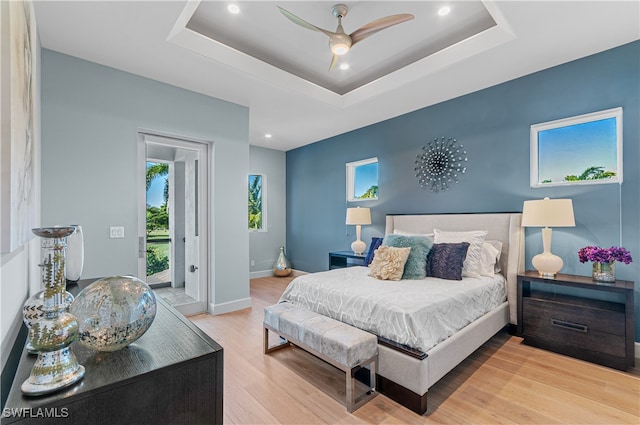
439	164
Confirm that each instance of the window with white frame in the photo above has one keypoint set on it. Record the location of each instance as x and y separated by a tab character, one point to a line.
257	192
362	180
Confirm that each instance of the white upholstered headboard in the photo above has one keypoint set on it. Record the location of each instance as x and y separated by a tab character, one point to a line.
504	227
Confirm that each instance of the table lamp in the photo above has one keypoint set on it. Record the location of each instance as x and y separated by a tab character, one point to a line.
547	213
358	216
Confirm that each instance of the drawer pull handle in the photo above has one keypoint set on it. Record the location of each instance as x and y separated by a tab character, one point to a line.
569	325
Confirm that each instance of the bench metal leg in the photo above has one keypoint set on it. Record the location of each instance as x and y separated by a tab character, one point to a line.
265	343
353	403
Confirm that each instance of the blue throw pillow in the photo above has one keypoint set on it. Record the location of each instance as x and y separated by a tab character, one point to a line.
445	260
375	244
416	265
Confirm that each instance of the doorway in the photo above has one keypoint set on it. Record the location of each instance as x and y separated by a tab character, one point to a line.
173	223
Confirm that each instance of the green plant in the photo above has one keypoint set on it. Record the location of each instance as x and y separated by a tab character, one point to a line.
371	193
156	262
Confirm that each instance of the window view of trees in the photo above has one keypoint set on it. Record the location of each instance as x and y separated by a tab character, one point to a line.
371	193
362	179
255	202
157	220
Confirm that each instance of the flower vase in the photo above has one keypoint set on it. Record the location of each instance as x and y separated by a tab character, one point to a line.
282	267
604	271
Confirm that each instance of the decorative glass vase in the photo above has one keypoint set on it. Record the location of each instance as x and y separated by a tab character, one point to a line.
114	312
51	335
282	267
604	271
32	312
75	255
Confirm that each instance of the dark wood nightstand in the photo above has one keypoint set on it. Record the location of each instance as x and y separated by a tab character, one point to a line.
594	324
341	259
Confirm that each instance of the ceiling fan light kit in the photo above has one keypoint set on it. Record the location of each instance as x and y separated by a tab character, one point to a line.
341	42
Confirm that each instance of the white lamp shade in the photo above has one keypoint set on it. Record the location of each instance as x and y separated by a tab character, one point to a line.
358	216
548	213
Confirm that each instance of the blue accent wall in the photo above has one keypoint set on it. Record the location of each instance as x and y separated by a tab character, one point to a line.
493	125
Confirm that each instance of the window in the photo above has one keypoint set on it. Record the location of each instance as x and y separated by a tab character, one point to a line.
256	199
586	149
362	180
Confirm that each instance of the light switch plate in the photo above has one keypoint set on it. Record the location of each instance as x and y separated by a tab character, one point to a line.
116	232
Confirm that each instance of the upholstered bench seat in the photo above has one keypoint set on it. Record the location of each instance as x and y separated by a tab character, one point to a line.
337	343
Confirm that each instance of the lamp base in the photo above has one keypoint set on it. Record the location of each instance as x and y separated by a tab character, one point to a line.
358	247
547	264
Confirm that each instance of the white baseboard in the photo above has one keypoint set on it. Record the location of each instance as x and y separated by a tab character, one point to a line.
230	306
261	273
637	345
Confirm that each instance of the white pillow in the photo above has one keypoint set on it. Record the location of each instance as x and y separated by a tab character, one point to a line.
405	233
472	263
490	257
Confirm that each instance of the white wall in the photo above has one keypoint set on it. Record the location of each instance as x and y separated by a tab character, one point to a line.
91	115
19	272
264	247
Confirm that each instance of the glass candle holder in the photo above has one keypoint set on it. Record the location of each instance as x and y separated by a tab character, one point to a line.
56	366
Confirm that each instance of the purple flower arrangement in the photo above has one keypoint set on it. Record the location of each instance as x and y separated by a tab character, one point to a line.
604	255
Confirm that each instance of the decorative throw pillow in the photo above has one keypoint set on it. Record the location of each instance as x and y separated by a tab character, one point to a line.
415	268
490	257
388	263
445	260
405	233
375	244
475	238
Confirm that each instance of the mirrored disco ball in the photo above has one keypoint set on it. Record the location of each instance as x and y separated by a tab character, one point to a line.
113	312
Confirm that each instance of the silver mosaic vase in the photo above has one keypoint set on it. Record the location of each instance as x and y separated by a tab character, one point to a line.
56	366
282	267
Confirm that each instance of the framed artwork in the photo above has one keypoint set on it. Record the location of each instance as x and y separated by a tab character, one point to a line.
17	79
585	149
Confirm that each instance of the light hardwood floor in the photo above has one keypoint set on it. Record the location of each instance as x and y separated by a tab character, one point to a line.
504	381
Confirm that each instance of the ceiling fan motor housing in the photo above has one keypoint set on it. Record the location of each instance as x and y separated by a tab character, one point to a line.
340	10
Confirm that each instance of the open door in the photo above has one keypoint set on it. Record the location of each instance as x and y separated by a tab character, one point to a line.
172	257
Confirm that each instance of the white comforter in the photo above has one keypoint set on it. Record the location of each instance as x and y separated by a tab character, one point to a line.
417	313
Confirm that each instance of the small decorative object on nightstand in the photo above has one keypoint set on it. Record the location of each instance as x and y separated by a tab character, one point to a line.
581	325
604	260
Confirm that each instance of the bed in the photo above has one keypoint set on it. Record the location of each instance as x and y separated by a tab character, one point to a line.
416	349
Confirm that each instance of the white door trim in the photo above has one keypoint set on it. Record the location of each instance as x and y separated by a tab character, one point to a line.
204	149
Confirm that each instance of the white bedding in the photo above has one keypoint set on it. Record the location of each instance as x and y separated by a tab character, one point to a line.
417	313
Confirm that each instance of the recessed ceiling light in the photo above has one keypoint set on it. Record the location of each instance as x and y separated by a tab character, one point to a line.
233	8
444	10
267	136
344	66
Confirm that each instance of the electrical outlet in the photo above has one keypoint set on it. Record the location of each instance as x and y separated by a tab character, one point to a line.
116	232
252	263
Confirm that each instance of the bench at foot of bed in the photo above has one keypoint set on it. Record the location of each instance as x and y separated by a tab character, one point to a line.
345	347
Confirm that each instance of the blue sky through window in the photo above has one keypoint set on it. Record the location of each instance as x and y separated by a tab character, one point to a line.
155	194
571	150
365	177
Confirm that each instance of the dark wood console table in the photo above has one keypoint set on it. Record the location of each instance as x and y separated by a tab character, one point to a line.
171	375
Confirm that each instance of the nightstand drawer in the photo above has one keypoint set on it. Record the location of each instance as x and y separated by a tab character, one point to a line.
581	326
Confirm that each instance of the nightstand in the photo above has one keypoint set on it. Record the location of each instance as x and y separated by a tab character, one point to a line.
341	259
594	324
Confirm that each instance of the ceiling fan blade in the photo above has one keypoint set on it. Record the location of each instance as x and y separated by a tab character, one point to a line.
334	62
378	25
293	18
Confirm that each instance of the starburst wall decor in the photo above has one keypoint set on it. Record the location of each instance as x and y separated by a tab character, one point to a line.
439	164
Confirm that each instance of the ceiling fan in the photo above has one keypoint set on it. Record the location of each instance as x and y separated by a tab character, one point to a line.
339	41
